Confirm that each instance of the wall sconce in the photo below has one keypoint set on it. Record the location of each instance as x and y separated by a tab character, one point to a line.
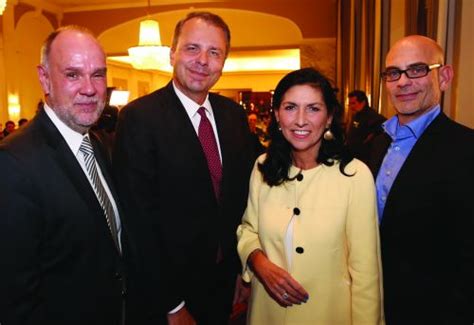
3	5
119	98
13	107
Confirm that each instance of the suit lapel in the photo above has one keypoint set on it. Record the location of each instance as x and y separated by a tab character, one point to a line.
225	126
183	130
100	156
378	150
221	126
66	160
421	153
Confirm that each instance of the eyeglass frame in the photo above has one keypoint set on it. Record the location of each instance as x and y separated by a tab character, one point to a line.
429	67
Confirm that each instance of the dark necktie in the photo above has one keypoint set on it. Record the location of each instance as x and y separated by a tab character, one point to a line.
209	146
104	200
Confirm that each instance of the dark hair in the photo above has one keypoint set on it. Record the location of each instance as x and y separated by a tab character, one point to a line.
22	121
360	95
46	47
9	122
277	163
209	18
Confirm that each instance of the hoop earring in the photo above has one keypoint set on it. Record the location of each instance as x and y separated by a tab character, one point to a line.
328	136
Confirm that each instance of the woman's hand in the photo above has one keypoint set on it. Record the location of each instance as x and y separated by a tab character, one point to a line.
279	284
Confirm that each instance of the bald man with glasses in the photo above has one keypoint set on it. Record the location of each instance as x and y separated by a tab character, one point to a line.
424	169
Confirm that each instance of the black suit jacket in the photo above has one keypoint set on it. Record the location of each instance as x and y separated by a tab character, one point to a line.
427	230
165	178
58	262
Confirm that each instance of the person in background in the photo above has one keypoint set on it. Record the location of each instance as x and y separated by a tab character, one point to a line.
22	122
9	128
105	127
252	120
309	236
183	159
366	123
423	165
62	242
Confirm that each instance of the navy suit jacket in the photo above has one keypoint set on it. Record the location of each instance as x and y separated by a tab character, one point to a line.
427	229
59	264
163	174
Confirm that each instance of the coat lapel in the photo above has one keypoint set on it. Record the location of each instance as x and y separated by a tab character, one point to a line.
224	126
378	150
66	160
185	134
417	160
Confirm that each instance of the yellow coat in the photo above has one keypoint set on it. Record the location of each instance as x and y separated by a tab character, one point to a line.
336	255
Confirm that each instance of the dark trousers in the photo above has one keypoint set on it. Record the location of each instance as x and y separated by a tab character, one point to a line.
212	304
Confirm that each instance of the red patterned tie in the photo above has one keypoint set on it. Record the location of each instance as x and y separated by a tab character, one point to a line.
209	146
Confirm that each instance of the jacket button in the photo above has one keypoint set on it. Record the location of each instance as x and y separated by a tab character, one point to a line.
118	276
299	177
296	211
299	250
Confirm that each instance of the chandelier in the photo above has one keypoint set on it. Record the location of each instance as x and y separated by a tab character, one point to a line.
149	54
3	4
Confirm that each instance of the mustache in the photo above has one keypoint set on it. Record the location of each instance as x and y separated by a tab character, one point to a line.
89	100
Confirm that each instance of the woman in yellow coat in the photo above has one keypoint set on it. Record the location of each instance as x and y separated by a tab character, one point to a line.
309	237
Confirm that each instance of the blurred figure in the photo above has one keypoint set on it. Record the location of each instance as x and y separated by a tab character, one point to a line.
424	168
308	239
256	133
252	120
22	122
105	127
366	123
9	128
39	106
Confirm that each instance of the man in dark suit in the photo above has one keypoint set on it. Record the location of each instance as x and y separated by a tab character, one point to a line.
62	244
183	158
365	125
424	166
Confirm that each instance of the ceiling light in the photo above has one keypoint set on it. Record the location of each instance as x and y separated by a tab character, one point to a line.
149	54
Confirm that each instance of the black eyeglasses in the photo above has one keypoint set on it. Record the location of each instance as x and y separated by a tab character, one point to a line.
413	72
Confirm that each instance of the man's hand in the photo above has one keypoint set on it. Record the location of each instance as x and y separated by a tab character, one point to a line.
181	317
242	291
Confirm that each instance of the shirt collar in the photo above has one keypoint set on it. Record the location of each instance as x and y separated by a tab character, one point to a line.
414	128
190	105
73	138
